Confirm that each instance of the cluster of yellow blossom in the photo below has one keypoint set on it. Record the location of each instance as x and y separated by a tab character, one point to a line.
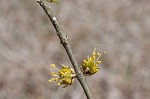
64	76
89	65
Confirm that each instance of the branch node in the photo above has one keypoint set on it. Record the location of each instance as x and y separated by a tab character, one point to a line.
67	38
54	18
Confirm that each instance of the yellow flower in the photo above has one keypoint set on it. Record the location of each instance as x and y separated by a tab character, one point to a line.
89	66
64	76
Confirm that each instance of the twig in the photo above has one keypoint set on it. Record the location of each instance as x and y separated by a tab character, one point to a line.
64	41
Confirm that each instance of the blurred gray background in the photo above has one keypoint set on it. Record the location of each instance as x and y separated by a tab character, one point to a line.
28	44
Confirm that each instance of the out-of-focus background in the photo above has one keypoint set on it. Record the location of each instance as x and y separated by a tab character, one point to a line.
28	44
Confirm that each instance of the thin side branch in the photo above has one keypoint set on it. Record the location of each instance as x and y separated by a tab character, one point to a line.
64	41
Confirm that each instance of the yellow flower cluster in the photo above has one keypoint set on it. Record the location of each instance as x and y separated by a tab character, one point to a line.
64	76
89	65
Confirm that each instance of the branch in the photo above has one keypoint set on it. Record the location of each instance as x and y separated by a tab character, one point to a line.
64	41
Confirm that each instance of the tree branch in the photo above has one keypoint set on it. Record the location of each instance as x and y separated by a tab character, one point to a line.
64	41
